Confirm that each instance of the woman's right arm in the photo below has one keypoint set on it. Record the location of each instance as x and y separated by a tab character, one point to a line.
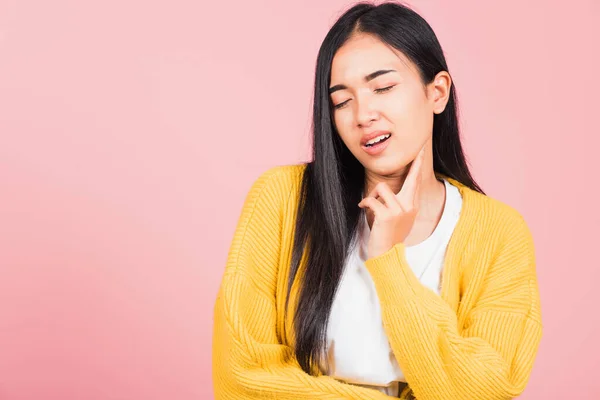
249	362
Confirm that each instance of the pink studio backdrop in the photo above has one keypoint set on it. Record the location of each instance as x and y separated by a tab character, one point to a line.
130	132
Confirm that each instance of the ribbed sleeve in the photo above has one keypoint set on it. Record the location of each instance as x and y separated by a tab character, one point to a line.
489	352
249	362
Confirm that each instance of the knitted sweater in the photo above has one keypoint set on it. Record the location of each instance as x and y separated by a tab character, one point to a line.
476	340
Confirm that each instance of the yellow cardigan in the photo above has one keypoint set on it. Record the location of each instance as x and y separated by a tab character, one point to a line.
477	340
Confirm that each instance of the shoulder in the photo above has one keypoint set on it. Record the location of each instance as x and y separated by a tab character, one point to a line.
281	174
278	180
272	188
497	220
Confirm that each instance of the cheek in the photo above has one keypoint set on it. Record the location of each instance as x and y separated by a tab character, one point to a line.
400	106
409	114
343	124
342	118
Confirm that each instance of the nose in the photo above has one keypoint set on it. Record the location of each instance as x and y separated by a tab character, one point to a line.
365	113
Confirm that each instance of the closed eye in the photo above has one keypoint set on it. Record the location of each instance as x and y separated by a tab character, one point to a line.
382	90
341	104
385	89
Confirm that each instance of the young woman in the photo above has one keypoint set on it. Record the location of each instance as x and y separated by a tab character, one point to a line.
380	269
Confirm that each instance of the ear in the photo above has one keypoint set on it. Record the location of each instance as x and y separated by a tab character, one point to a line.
440	91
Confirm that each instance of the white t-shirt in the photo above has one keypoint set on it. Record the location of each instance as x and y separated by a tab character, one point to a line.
358	350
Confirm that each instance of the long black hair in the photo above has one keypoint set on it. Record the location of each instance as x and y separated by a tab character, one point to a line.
332	183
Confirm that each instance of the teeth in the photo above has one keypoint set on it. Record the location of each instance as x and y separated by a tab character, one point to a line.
377	139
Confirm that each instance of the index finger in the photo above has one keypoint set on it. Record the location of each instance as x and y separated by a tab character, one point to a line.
406	196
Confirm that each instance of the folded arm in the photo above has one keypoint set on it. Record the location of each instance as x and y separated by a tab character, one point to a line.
487	356
249	362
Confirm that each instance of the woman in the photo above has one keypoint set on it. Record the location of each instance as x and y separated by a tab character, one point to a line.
380	269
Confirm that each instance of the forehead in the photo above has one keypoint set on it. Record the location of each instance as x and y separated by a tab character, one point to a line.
363	54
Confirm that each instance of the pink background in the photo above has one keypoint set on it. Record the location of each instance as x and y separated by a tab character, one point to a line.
130	132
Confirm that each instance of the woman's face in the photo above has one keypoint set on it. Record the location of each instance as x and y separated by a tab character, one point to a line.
376	90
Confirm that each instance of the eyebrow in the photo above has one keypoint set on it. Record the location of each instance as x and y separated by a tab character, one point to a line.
368	78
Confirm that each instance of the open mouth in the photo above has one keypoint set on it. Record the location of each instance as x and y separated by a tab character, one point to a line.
378	140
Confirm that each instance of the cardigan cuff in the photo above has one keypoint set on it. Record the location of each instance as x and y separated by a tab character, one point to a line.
391	272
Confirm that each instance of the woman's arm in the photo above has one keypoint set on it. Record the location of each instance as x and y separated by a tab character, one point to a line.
249	362
490	354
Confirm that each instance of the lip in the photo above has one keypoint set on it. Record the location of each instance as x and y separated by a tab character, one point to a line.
372	135
377	148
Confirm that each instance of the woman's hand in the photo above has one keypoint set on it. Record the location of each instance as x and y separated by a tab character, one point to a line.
395	217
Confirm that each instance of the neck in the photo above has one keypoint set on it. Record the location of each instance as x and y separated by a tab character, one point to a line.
432	191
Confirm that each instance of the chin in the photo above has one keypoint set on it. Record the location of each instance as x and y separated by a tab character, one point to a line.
386	166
